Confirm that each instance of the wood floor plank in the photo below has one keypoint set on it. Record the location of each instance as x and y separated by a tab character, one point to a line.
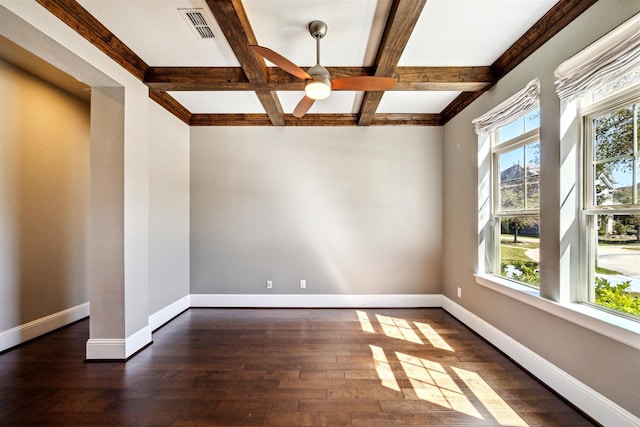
281	367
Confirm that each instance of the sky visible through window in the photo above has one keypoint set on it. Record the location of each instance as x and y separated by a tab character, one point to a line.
623	177
527	155
519	126
522	156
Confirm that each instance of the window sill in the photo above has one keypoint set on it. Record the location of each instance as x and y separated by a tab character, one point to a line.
615	327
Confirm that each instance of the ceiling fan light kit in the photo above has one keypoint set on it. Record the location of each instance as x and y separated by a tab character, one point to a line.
318	83
319	86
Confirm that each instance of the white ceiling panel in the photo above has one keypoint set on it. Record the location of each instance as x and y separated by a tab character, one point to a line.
339	102
415	102
353	35
158	33
469	32
233	102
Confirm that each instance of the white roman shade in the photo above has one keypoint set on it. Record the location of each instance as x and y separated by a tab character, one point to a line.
610	56
523	102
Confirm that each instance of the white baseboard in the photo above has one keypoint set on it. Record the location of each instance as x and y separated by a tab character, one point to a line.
594	404
106	349
118	348
315	300
164	315
19	334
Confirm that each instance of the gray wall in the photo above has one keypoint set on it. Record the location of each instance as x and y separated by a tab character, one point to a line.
350	210
607	366
44	196
168	208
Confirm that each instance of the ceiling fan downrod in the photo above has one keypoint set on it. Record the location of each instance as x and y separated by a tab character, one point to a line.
318	30
319	87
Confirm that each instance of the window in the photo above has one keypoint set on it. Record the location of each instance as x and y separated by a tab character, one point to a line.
516	199
599	89
509	192
590	216
611	205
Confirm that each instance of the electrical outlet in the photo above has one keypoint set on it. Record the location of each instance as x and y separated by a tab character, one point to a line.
459	292
303	284
269	284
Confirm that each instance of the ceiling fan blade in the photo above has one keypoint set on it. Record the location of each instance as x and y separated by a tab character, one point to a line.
365	83
281	61
303	106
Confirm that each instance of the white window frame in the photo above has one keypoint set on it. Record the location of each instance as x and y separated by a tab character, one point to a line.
589	110
498	148
487	126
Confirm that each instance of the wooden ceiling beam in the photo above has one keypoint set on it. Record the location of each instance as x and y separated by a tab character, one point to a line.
541	32
230	120
170	104
314	120
85	24
403	16
233	78
410	119
255	75
233	22
558	17
443	78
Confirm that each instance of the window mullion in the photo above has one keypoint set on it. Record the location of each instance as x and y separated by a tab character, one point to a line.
524	181
634	163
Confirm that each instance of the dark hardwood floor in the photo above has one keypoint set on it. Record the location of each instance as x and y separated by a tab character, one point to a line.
279	367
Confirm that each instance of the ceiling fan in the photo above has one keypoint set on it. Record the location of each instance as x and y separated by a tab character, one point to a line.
318	83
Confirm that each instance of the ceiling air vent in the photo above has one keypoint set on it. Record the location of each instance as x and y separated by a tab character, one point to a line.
199	23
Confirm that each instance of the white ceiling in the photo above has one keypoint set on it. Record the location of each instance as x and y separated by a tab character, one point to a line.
469	32
219	102
157	32
448	33
281	26
415	102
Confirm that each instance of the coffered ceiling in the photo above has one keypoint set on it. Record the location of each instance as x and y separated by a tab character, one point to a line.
444	53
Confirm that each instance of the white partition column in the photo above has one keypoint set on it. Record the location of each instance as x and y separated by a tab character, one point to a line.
119	229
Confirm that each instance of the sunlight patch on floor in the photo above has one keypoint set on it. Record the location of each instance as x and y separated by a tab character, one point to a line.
385	373
365	323
434	338
431	382
498	408
398	328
